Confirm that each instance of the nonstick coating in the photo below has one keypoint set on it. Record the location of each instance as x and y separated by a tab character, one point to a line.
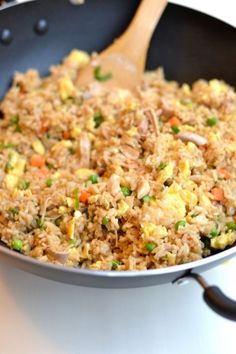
188	44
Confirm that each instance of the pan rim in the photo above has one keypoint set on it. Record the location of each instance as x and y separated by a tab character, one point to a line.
119	274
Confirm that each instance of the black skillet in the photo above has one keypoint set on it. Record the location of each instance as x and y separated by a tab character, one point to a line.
188	44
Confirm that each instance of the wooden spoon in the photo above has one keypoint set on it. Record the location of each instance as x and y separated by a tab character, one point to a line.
122	63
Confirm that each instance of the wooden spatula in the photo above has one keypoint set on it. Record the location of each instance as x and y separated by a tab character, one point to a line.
122	63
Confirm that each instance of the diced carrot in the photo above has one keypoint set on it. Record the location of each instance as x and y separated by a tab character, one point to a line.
66	135
43	128
232	138
37	161
202	148
174	122
84	196
42	173
218	194
223	173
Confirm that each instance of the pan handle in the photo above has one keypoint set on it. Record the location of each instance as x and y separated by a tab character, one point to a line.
213	297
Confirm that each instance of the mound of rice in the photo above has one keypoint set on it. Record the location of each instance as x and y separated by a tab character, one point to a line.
109	179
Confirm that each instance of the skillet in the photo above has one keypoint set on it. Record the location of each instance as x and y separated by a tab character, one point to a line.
188	44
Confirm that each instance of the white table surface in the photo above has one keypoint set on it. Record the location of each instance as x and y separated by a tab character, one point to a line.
38	316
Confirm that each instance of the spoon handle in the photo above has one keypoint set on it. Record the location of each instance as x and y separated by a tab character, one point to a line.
135	41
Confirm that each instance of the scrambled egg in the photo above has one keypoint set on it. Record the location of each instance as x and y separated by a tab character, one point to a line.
172	202
78	57
38	147
166	173
184	168
224	240
152	232
17	164
122	208
84	173
66	88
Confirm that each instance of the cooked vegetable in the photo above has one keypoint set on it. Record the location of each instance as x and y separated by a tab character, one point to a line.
13	211
218	194
7	146
23	185
76	198
40	223
115	264
15	122
105	221
99	76
58	221
37	161
126	191
180	223
97	118
150	246
49	182
223	173
175	129
174	122
93	179
213	232
84	196
50	165
212	121
231	225
162	165
17	245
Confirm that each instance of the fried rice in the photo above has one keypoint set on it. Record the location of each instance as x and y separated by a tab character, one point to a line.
115	180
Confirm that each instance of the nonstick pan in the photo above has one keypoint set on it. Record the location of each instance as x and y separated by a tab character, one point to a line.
188	44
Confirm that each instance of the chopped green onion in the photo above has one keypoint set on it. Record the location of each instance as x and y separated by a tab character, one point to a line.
231	225
146	198
76	197
17	245
8	167
175	129
194	215
15	121
115	264
150	246
213	232
71	150
97	118
23	185
99	76
13	211
162	165
71	242
40	223
180	223
50	165
48	135
49	182
212	121
7	146
58	221
93	179
105	221
126	191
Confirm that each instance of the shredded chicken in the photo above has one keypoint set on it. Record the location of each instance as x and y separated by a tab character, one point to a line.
194	138
113	185
84	150
143	188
